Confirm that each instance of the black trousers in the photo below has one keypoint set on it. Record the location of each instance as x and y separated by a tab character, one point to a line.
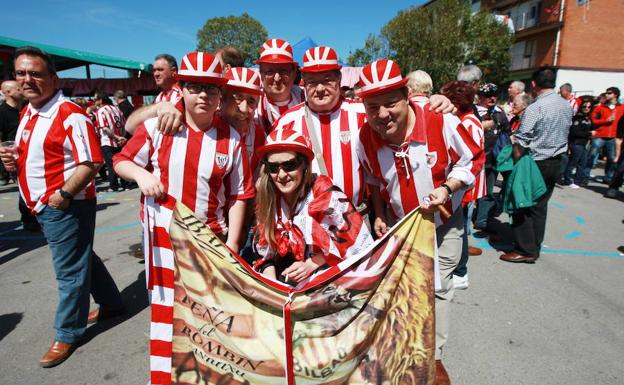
529	225
113	179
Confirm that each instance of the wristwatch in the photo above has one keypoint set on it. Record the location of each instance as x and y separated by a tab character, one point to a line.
65	194
448	189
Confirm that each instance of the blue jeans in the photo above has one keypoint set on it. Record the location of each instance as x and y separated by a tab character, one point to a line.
79	271
486	204
578	160
596	145
462	267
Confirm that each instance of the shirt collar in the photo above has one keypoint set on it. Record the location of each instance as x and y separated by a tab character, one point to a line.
49	108
547	93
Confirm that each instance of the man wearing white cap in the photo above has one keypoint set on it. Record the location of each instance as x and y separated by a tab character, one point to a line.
415	157
330	122
203	166
278	71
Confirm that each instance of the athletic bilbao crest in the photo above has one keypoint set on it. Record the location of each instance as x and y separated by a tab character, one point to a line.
221	159
26	135
432	158
345	137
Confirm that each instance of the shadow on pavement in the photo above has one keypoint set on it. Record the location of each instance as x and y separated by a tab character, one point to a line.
20	240
8	322
498	234
134	298
104	206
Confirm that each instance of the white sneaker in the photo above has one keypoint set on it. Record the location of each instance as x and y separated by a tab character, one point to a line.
573	186
460	283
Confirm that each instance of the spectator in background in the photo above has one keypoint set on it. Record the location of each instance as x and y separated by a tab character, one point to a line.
580	133
123	103
520	103
462	95
543	135
471	74
9	119
420	86
605	118
566	92
230	57
165	70
515	88
495	124
110	125
82	102
618	176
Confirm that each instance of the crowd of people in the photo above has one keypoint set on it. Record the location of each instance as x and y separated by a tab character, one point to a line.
261	156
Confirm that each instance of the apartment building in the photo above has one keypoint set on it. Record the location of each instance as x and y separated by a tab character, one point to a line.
582	39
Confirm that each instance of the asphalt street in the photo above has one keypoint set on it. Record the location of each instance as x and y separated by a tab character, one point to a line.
559	321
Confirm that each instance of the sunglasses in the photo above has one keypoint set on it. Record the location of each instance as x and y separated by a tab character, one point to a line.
288	166
609	93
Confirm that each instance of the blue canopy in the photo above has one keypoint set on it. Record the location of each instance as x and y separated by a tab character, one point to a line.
302	46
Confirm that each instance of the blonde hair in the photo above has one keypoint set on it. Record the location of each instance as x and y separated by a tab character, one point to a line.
266	199
420	82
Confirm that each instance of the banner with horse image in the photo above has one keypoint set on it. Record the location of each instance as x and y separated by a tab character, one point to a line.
368	320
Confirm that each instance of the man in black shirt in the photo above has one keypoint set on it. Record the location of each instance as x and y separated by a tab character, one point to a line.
9	118
123	103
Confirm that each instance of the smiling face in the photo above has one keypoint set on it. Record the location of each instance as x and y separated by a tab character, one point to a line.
388	113
286	177
163	74
238	109
37	83
322	90
277	80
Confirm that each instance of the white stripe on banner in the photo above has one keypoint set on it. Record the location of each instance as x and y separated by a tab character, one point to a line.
163	257
162	296
160	364
160	331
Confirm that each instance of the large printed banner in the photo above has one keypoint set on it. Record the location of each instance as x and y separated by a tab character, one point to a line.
369	320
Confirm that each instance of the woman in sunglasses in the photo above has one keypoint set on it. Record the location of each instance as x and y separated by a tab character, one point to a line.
304	221
580	134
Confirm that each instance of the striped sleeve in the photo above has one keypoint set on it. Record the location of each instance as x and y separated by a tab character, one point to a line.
239	179
84	141
465	153
138	149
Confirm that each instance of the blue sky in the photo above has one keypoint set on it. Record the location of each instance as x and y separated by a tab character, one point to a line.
139	30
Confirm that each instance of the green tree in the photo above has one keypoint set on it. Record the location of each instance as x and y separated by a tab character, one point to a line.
375	47
243	32
440	37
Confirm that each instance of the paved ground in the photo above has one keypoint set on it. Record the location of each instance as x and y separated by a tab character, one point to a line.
560	321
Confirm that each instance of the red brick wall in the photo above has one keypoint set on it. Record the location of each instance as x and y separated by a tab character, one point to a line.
596	41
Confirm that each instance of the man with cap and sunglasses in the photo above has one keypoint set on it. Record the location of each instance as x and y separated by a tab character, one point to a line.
332	122
413	158
205	167
278	71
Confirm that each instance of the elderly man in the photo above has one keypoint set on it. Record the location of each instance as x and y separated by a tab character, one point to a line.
332	122
420	86
9	118
123	103
58	158
165	68
543	135
415	157
566	93
278	71
515	88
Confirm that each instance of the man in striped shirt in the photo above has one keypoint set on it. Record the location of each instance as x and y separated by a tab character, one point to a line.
110	125
58	157
417	158
278	70
165	68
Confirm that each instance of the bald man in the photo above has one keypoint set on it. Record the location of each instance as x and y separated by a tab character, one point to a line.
9	117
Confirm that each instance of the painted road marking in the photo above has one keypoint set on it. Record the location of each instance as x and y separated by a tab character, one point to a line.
557	205
580	220
573	235
99	231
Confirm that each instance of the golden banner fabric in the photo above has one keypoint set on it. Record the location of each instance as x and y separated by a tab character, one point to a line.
368	320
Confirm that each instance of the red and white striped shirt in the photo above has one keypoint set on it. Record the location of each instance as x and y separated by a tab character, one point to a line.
52	141
268	112
173	95
439	148
337	133
203	170
321	218
475	129
111	117
574	103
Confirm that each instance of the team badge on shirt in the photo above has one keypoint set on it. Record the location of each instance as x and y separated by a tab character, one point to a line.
432	158
345	137
25	135
221	159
